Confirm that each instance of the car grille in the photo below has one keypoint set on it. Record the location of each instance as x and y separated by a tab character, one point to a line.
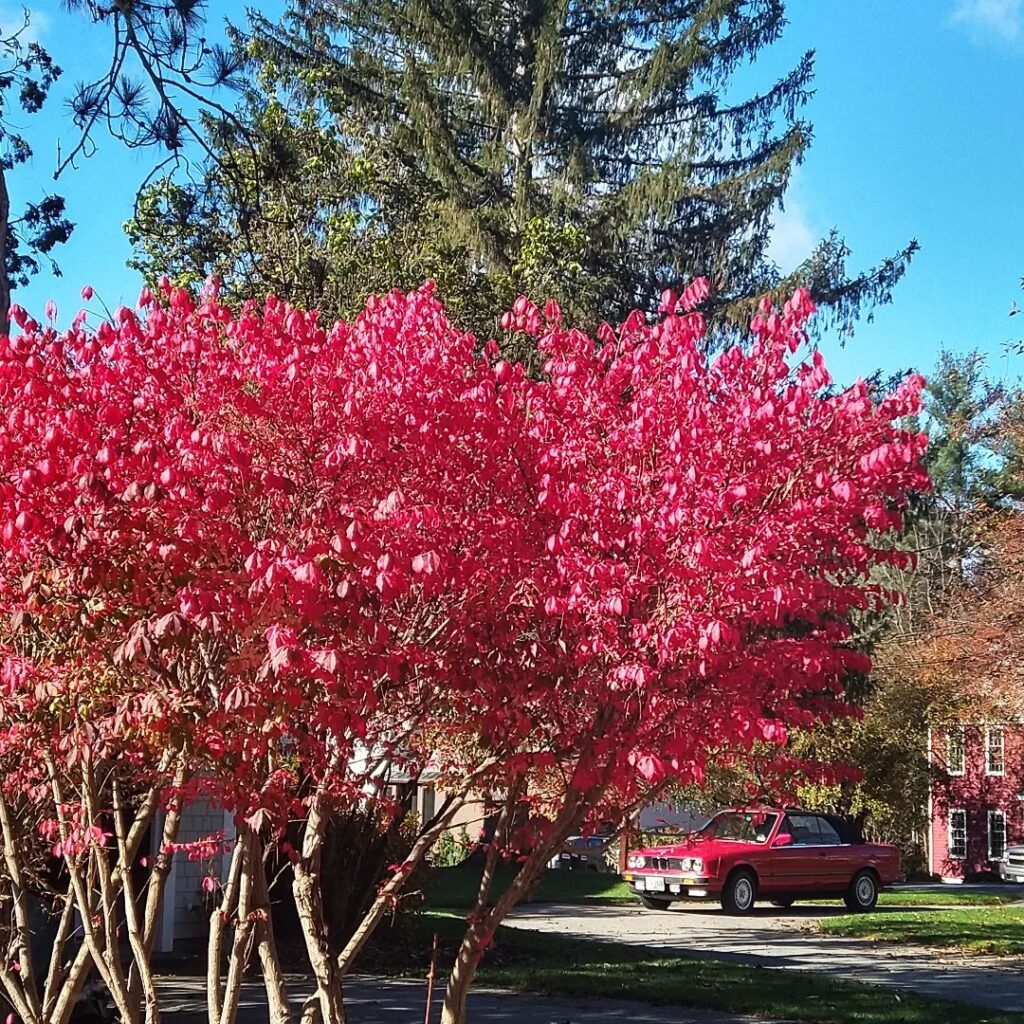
1017	859
665	863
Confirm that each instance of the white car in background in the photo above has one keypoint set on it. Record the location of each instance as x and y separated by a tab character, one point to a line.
583	853
1011	867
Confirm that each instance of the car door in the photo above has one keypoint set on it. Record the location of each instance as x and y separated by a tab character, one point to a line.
796	867
837	858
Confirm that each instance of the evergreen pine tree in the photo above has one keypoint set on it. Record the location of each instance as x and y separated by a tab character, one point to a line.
603	133
596	152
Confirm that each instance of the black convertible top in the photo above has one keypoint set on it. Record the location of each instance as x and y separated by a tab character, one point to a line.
849	831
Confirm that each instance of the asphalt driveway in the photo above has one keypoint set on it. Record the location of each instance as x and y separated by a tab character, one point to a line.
381	1001
784	939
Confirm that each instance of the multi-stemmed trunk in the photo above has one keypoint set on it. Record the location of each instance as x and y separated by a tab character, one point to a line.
326	1003
100	883
484	920
245	906
329	970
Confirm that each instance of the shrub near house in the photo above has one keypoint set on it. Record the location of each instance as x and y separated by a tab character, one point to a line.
977	798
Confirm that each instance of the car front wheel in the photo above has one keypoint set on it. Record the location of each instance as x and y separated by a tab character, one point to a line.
739	893
862	894
654	903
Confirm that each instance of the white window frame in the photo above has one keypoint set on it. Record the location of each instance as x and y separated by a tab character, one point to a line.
953	811
990	733
962	735
993	815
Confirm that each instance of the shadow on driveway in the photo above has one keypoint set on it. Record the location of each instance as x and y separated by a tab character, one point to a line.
782	939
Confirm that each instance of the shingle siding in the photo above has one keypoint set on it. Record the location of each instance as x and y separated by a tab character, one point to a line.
199	820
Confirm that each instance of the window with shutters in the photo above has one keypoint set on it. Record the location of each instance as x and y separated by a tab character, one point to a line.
956	752
428	803
958	834
996	835
995	760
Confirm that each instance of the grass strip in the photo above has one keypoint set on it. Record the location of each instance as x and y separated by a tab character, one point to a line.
998	931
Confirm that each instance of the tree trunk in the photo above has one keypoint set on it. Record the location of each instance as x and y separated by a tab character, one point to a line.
5	280
154	890
485	922
273	980
215	940
24	994
309	903
242	940
70	987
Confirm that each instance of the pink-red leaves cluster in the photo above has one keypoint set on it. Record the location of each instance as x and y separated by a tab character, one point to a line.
299	551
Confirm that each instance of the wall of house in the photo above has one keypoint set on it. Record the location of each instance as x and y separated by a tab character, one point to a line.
184	913
467	822
976	791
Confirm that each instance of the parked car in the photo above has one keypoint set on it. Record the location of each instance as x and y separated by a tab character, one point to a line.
583	853
743	855
1011	867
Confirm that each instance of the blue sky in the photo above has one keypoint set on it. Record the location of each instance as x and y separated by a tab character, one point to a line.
918	132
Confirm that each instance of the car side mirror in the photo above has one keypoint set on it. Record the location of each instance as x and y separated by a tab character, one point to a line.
784	839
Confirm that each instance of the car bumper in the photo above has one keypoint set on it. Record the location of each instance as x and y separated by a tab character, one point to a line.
571	862
680	887
1011	872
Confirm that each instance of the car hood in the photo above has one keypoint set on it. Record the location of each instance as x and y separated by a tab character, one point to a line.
703	848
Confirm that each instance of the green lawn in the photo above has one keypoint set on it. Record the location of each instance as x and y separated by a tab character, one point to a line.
994	930
954	897
534	962
528	961
456	887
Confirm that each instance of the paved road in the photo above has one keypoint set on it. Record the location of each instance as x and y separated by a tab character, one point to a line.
783	938
376	1001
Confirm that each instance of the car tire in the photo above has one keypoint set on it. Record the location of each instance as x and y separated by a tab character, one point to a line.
654	903
862	894
739	893
783	904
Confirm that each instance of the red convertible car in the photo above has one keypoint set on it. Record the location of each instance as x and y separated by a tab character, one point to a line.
782	856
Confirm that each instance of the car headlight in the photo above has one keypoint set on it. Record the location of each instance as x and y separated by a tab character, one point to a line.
697	865
686	863
636	862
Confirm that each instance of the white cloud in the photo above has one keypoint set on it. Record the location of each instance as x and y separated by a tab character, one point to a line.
1002	20
12	19
793	237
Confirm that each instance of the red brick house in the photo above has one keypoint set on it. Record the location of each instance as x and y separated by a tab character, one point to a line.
976	802
973	661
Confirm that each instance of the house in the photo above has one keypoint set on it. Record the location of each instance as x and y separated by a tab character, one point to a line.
185	910
976	800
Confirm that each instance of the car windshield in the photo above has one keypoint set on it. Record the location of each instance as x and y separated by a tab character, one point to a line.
740	826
